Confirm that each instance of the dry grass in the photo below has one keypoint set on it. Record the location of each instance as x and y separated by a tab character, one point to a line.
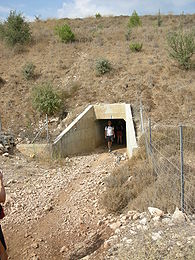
150	74
155	182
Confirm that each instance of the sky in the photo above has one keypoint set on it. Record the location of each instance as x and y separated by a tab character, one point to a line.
83	8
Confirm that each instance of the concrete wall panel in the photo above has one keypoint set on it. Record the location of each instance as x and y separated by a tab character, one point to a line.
110	111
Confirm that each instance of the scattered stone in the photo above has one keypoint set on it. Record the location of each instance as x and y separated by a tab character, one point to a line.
143	221
178	216
5	154
166	220
155	212
63	249
136	216
100	223
7	143
107	244
35	245
115	225
156	236
156	218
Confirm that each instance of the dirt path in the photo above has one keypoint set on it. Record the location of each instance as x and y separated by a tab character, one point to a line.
68	226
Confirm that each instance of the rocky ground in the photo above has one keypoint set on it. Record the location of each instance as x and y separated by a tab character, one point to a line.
53	212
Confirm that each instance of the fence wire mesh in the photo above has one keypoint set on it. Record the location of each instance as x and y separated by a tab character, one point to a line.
37	143
171	151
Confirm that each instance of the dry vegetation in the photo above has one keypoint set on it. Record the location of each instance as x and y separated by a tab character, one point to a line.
150	74
167	92
142	183
146	248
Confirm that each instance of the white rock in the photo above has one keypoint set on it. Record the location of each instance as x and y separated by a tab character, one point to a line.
53	120
117	231
155	212
63	249
178	216
115	225
107	244
131	213
156	235
6	155
136	216
156	218
129	241
124	218
166	220
35	245
143	221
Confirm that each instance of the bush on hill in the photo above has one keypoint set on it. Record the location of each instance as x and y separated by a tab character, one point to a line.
15	30
134	20
28	71
45	99
65	33
135	46
181	47
103	66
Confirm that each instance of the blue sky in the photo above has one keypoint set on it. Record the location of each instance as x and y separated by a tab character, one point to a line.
83	8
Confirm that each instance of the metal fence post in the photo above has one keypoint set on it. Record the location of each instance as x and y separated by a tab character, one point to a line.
0	124
47	129
182	167
141	117
150	129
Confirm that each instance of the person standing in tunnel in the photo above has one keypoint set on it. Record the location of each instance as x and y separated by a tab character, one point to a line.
109	135
119	133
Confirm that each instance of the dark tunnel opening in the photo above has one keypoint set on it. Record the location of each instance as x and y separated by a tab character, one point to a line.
119	130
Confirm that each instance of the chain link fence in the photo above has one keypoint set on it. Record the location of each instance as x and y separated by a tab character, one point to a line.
36	143
171	151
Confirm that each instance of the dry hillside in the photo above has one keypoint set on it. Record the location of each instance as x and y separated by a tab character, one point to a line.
60	209
167	91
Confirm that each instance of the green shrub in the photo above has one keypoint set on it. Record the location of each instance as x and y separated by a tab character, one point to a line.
15	30
98	15
103	66
159	19
65	33
135	46
134	20
45	99
181	47
28	71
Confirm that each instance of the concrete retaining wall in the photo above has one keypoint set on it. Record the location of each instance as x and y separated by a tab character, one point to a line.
130	131
78	137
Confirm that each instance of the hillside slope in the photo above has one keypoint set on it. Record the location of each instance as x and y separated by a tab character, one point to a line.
167	91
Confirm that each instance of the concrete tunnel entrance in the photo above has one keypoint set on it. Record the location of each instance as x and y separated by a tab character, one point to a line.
115	123
86	132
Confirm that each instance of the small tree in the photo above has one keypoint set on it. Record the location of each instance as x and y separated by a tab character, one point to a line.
135	46
134	20
159	19
45	99
15	30
103	66
28	71
181	47
98	16
65	33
